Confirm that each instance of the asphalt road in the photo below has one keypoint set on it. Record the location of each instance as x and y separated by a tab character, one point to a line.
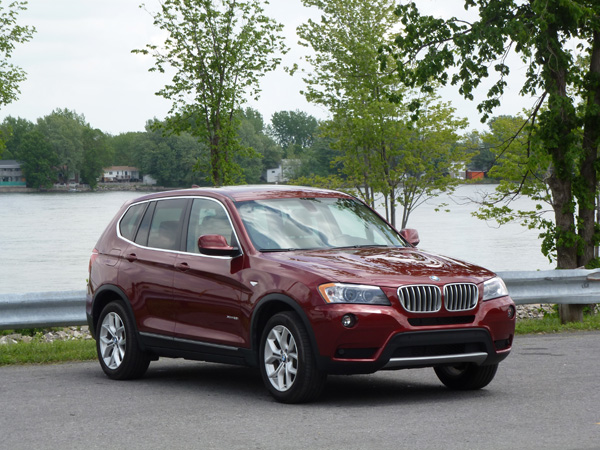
544	396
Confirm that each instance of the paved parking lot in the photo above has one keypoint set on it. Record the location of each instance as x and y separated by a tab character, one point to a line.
545	396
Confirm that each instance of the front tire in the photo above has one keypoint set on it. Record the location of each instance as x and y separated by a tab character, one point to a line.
118	351
287	362
466	377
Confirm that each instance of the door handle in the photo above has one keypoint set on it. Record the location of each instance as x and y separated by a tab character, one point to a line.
183	266
131	257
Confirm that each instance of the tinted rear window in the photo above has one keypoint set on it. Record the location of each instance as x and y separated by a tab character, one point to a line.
165	231
131	220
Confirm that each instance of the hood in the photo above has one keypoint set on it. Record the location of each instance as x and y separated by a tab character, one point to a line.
382	266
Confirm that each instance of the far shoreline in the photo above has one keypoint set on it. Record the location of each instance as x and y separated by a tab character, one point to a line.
74	188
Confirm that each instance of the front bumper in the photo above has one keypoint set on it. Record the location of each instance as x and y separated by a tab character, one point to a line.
422	349
385	338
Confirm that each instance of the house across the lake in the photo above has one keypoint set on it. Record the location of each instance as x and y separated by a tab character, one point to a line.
121	174
11	173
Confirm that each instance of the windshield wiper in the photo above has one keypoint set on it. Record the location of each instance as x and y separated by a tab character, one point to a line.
366	246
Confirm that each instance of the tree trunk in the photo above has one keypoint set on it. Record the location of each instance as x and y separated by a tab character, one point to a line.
387	208
558	134
587	182
566	252
393	207
214	161
586	185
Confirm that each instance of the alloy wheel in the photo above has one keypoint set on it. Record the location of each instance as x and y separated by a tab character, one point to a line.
112	340
281	358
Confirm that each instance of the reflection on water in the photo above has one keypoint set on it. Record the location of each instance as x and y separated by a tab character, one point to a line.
46	239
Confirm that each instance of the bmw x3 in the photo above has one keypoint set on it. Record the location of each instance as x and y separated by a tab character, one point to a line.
298	282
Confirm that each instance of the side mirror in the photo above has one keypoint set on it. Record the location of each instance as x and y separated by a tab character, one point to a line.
411	236
216	245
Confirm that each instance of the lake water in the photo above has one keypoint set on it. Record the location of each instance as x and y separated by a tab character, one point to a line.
46	238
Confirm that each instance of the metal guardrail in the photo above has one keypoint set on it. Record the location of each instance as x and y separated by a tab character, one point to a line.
42	309
575	286
67	308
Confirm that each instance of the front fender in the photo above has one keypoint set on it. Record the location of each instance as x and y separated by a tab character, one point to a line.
266	308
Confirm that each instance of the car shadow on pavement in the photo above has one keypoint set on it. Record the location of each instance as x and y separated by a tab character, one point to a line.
381	388
404	387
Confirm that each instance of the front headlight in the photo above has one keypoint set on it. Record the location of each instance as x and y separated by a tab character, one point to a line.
494	288
353	293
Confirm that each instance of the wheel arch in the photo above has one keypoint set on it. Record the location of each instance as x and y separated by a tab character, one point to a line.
102	297
265	309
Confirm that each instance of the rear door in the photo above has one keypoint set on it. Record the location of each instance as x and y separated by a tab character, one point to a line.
147	270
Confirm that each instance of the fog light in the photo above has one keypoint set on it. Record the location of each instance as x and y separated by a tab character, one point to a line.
511	312
349	320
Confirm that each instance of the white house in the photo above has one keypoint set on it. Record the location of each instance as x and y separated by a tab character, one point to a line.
282	173
121	173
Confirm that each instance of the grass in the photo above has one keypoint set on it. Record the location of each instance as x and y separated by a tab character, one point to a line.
550	323
40	352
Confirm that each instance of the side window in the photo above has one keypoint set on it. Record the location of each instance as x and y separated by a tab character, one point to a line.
208	217
141	237
131	220
166	224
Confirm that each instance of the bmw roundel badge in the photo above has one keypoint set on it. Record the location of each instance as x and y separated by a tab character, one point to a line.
434	278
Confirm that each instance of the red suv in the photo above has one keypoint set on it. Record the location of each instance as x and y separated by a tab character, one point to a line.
300	282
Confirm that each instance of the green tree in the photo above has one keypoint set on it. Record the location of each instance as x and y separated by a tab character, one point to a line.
320	160
10	35
518	165
293	128
559	43
431	160
488	148
64	130
381	150
12	130
218	51
170	158
39	160
82	150
345	78
126	147
97	154
266	153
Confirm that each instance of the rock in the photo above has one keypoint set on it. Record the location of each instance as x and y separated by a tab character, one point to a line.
6	340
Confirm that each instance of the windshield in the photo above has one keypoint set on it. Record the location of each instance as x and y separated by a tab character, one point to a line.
314	223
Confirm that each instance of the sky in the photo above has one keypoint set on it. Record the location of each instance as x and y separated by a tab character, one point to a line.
80	59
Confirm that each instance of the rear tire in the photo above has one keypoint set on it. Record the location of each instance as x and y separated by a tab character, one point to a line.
466	377
287	363
118	351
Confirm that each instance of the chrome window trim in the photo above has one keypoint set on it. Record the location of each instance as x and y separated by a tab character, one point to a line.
179	252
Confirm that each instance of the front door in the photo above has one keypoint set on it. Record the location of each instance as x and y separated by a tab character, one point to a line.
207	291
